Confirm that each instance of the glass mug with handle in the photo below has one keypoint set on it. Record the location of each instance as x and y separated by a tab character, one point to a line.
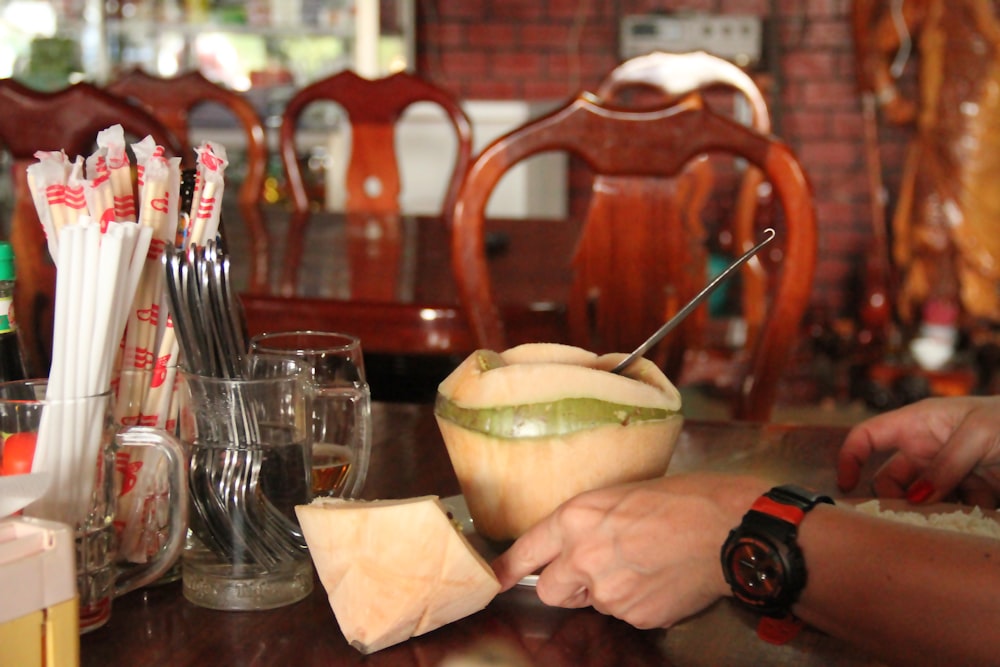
249	468
144	397
78	442
340	426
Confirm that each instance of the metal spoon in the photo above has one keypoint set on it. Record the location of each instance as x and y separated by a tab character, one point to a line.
694	303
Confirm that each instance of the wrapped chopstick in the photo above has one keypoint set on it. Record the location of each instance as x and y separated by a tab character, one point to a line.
145	378
147	393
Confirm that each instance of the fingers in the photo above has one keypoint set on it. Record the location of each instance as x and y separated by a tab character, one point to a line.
528	554
853	455
974	441
875	434
557	590
559	585
907	429
977	492
578	600
939	445
895	477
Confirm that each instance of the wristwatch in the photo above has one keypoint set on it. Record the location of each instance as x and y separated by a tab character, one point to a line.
761	558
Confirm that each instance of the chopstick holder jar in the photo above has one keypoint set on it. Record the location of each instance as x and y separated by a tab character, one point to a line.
86	483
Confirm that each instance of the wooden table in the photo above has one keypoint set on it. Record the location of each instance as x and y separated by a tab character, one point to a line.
156	626
389	281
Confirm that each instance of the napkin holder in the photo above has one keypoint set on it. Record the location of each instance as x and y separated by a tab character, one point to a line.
39	618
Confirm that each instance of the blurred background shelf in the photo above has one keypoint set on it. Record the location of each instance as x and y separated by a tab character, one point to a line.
244	45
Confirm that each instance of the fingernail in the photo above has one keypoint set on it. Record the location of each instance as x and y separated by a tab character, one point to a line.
919	491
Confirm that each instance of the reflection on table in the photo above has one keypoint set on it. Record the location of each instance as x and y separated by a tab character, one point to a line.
156	626
389	280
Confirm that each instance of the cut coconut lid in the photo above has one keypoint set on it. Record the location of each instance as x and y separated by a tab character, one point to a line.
394	569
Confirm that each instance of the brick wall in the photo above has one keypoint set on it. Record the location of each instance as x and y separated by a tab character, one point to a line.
526	49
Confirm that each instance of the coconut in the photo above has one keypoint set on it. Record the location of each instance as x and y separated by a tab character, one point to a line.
394	569
530	427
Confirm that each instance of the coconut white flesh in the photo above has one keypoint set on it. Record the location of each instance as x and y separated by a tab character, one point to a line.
534	353
394	569
545	372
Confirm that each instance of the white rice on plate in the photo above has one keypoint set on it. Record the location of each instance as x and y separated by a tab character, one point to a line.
973	521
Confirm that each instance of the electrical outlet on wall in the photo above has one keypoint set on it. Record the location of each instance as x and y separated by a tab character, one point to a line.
736	37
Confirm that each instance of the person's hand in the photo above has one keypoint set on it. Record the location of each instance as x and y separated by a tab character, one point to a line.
647	553
942	446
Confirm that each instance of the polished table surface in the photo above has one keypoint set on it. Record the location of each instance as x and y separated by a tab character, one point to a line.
389	280
157	626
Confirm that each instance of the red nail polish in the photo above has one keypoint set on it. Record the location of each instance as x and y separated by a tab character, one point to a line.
919	491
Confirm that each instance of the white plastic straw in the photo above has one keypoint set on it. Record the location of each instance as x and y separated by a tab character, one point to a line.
92	283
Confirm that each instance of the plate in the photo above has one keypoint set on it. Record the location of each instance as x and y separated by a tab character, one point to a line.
459	512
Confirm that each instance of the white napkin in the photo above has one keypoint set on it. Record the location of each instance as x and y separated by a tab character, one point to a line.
19	491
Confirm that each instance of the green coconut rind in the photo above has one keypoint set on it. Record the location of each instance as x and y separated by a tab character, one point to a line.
541	420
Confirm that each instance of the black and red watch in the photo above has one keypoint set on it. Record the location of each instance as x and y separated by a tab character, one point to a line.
761	558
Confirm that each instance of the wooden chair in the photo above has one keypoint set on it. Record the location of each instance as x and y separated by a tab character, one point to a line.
373	108
68	119
677	75
172	100
699	75
638	258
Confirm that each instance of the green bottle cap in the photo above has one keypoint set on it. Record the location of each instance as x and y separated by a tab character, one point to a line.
6	261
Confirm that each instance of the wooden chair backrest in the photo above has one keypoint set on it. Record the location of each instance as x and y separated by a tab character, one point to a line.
675	76
172	100
69	120
638	258
373	108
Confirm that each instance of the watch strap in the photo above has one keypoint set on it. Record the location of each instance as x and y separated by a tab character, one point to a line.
790	502
779	631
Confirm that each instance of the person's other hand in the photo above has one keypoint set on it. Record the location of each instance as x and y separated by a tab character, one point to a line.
647	553
941	447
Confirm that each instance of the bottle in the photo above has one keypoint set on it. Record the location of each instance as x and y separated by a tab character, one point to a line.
935	343
11	360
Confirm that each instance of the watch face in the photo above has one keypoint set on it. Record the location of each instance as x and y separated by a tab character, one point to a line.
757	568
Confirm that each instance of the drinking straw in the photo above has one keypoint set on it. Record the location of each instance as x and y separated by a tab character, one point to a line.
69	262
48	456
74	199
129	253
82	305
96	275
